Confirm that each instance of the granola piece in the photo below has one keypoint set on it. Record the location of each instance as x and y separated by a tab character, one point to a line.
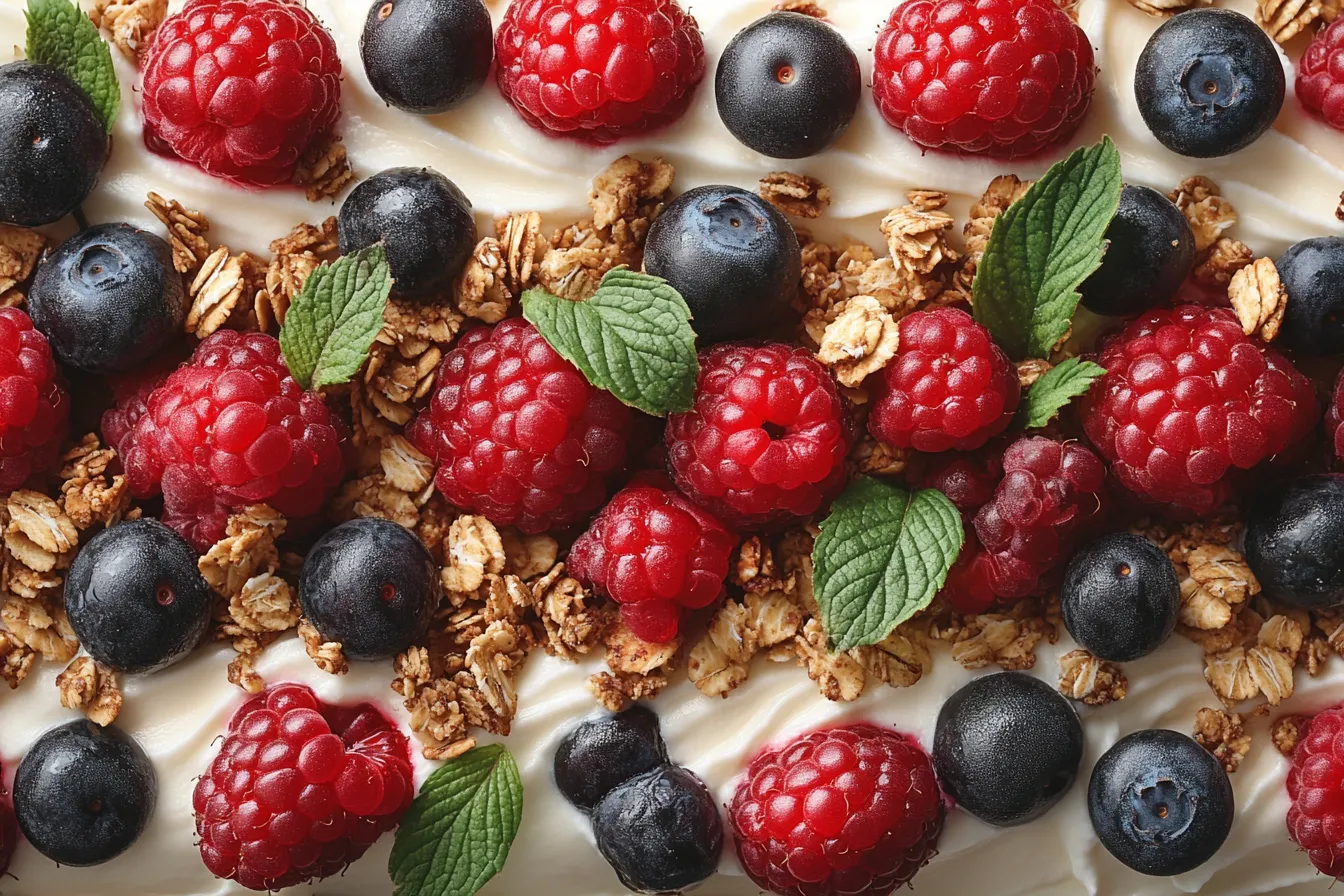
1222	734
16	659
900	659
88	495
861	340
321	240
130	22
405	356
492	656
1225	258
562	606
877	458
1201	201
265	603
626	183
247	548
795	194
1094	681
436	715
917	233
185	229
324	169
20	249
839	676
284	280
326	655
1164	8
522	247
1002	192
404	466
481	291
718	662
1000	639
1287	731
40	535
1228	672
1216	579
639	669
374	496
802	7
529	556
41	627
1285	19
242	670
1339	209
215	292
473	549
1259	298
91	688
755	563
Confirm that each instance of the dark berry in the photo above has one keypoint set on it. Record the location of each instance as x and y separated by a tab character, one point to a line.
135	597
1313	273
108	298
1295	542
372	585
1007	747
1149	252
427	56
1120	597
733	257
1209	83
661	831
606	751
1160	802
84	793
787	85
52	144
422	219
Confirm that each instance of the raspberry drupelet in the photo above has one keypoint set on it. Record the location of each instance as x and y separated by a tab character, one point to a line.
969	481
34	406
1316	788
1320	75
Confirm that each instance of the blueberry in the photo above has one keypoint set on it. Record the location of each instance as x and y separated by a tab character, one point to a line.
427	56
1209	83
1149	252
372	585
136	598
1006	747
1120	597
108	298
1160	802
83	793
604	752
733	257
1295	542
421	217
52	144
787	85
661	831
1313	273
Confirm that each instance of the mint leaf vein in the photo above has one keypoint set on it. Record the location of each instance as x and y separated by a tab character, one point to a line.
61	35
1056	388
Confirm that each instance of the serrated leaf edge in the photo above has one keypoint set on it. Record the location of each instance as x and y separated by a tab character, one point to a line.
107	106
1073	376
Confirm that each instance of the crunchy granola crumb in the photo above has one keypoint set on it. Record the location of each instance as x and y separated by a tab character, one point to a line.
130	22
997	638
917	233
1225	258
16	659
91	688
562	605
900	659
481	291
839	676
860	341
639	669
322	240
1095	682
20	249
1222	734
718	662
473	548
215	292
1259	298
795	194
523	247
324	170
620	188
803	7
1286	731
247	548
326	655
185	231
1201	201
89	496
1164	8
41	627
1285	19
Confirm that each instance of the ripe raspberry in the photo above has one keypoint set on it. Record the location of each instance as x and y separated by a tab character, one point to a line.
766	439
1334	418
654	553
241	88
853	810
598	70
518	434
968	480
1320	76
1005	78
949	386
130	396
300	789
1316	787
34	407
1186	396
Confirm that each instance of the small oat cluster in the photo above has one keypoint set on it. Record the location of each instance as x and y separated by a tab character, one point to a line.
1281	19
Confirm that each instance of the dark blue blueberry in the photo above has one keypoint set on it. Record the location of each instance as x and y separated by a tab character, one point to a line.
787	85
733	257
135	597
372	585
1209	83
108	298
1007	747
52	144
423	220
661	831
1120	597
1149	252
427	56
83	794
1295	542
1313	273
603	752
1160	802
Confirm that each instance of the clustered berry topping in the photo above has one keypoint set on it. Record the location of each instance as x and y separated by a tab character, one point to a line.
34	407
1314	787
1320	77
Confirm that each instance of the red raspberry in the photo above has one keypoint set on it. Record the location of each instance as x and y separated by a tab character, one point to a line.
241	88
598	70
969	481
130	396
300	789
1334	417
232	428
853	811
949	386
1316	787
1320	75
1186	396
654	553
518	434
1005	78
34	406
766	439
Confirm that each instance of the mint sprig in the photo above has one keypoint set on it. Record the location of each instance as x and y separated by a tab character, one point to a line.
1042	247
632	338
332	322
1056	388
882	555
458	832
60	35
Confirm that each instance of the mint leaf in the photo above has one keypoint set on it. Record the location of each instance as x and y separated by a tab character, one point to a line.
1057	387
60	35
333	320
633	338
457	833
882	555
1042	247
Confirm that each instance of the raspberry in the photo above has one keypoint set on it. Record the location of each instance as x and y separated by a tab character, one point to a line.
1005	78
34	406
1334	418
968	480
1320	75
1316	787
598	70
232	428
130	397
300	789
766	439
1186	397
949	386
518	434
654	553
241	88
853	810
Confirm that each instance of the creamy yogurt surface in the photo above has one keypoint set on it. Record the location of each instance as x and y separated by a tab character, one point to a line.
1285	187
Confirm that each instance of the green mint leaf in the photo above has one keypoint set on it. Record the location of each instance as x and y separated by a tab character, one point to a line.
1042	247
1057	387
60	35
882	555
457	833
633	338
333	320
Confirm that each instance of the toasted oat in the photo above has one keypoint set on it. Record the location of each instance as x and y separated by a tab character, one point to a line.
215	292
89	496
1000	639
247	548
404	465
406	354
529	556
625	184
1287	731
1239	673
37	523
1285	19
242	669
91	688
1225	258
523	247
900	659
482	290
492	657
1214	579
562	606
326	655
802	7
374	496
1201	201
1094	681
1002	191
322	240
473	549
185	229
639	669
917	233
860	341
718	662
284	280
839	676
20	248
795	194
41	627
16	659
324	169
265	603
1222	734
1164	8
878	458
1259	298
130	22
